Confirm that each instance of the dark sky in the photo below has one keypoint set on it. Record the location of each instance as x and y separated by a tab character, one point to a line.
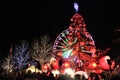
31	19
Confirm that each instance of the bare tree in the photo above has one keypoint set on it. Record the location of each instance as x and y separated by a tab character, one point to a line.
117	36
21	55
7	65
115	45
41	49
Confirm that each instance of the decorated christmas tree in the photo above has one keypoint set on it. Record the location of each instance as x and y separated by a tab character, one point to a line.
76	46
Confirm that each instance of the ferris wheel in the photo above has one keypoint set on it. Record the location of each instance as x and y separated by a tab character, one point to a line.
63	45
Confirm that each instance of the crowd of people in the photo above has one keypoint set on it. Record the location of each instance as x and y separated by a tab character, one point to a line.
22	75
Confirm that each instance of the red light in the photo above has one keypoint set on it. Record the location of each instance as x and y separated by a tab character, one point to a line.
67	65
94	64
28	65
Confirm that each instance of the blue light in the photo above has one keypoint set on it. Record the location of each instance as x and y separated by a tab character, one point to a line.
76	7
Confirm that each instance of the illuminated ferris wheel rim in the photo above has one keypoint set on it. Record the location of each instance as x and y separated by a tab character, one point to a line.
63	39
58	37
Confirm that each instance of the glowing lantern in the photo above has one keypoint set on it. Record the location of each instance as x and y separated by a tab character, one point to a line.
92	65
66	64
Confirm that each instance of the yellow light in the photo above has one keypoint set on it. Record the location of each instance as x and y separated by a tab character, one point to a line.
94	64
33	69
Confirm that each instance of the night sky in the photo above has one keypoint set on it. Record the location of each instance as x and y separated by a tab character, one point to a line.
33	19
